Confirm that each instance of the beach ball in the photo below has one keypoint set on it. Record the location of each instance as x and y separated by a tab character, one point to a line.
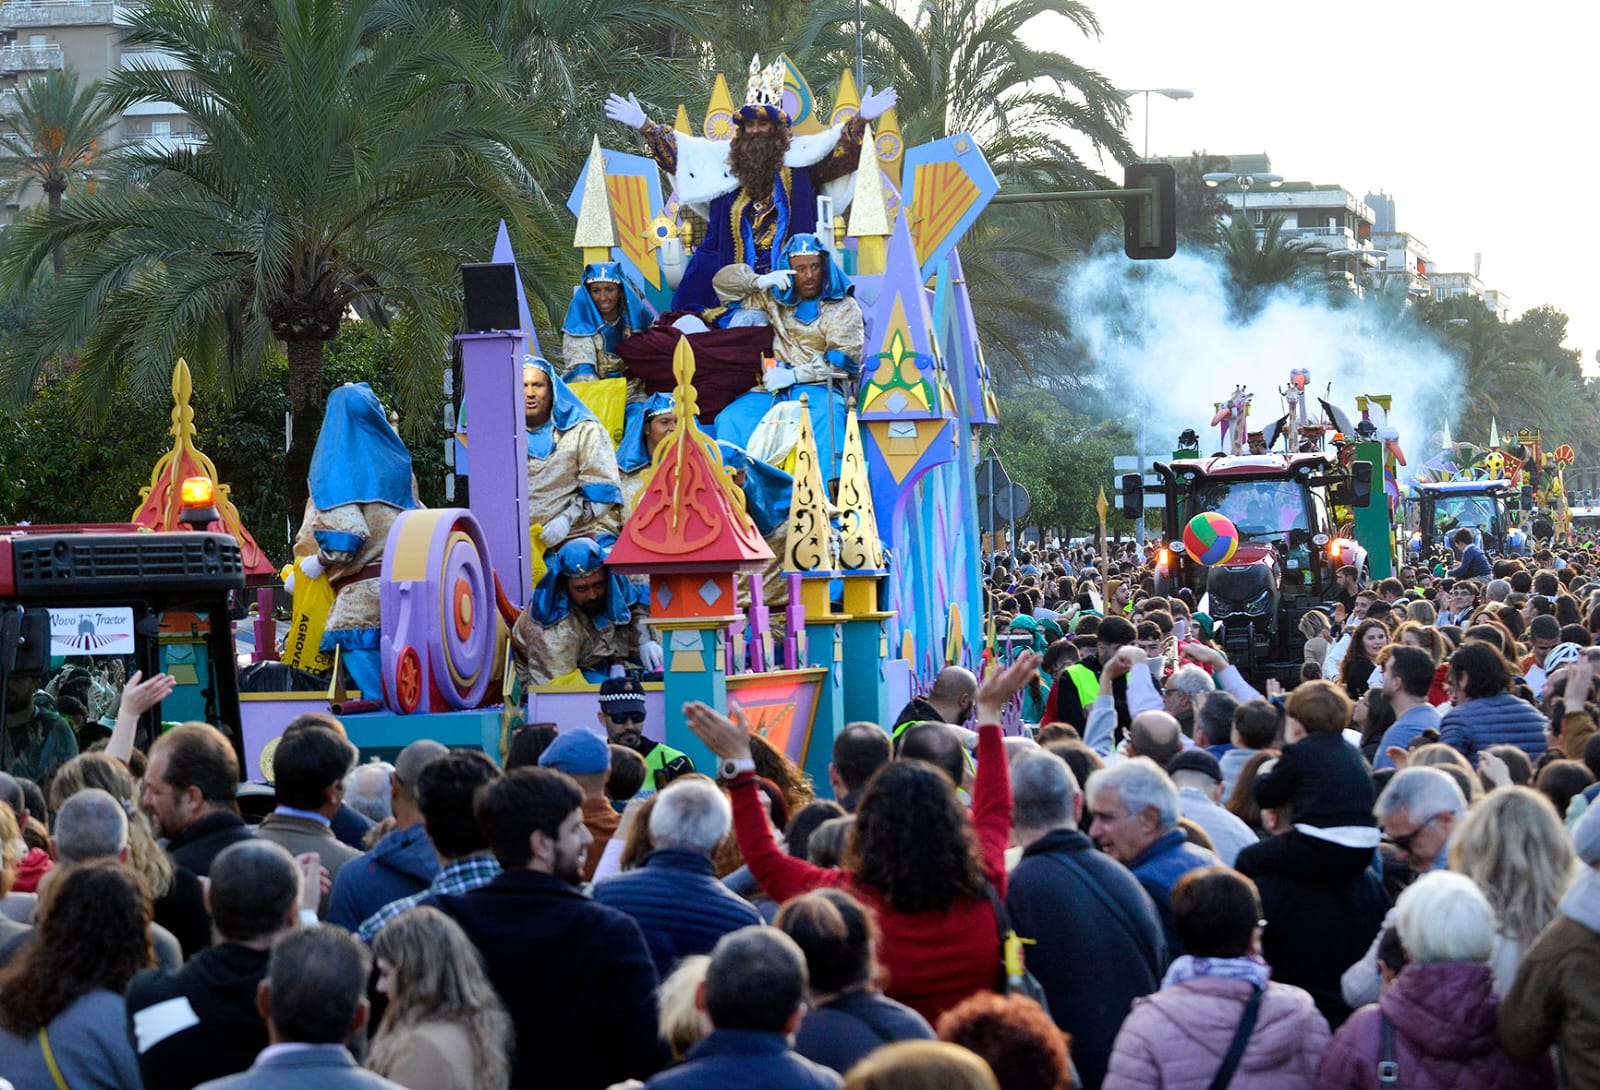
1211	538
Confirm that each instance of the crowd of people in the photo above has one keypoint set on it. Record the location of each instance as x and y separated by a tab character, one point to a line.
1110	861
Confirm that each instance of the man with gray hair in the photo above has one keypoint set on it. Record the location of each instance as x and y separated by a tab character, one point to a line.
1115	938
1416	813
202	1023
92	826
313	999
675	897
754	995
366	791
403	862
1135	809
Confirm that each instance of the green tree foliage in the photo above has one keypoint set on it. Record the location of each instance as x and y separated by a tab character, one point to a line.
353	159
1062	458
1518	375
44	450
1260	262
1201	207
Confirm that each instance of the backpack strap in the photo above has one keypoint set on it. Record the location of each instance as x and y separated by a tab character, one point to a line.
1388	1068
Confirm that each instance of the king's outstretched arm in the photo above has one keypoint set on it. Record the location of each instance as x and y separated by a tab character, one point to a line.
661	140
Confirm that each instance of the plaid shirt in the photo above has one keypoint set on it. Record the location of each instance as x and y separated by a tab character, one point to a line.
462	876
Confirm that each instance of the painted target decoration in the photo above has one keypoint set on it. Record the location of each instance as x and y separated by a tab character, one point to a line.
439	611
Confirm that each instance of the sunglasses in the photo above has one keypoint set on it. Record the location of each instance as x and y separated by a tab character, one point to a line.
1404	842
620	718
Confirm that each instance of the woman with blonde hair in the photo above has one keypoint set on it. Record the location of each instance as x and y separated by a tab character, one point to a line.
178	903
1315	627
1448	759
1514	846
680	1021
445	1028
921	1065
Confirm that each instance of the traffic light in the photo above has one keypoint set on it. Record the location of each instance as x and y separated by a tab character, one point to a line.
1150	222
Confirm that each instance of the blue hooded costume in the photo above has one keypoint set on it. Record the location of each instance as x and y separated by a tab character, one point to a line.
360	481
553	639
572	466
588	342
768	490
817	340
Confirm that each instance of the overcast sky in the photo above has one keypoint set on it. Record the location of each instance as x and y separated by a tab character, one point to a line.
1450	108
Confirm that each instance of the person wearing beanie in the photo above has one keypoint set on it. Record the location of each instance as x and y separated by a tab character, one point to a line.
1198	776
585	756
1555	998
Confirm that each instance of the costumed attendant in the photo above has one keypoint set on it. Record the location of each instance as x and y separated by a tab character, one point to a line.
648	423
573	486
817	337
759	189
360	482
582	617
604	311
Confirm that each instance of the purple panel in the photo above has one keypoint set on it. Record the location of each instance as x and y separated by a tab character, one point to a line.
498	481
571	708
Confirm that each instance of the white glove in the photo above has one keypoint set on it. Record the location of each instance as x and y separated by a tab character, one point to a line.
288	583
650	656
312	566
555	531
618	670
627	111
774	280
778	378
875	105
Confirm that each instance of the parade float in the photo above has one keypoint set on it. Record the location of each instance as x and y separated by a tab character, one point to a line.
879	549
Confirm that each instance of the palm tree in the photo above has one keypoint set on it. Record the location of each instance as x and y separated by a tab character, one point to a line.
352	160
1260	262
54	133
963	66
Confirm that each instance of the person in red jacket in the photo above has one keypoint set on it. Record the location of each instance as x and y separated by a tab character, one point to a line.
915	856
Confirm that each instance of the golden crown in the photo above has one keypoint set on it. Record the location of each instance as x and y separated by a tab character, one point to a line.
765	85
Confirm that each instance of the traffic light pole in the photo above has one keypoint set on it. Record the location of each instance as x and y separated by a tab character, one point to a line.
1149	208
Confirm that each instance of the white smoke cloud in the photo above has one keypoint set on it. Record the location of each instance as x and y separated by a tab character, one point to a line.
1165	344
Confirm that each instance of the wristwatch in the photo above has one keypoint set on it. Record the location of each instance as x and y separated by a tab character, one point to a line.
731	768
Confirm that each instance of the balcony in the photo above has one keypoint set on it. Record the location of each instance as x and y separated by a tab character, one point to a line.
31	58
47	13
162	143
149	57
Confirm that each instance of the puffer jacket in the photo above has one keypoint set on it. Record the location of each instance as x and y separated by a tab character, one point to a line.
1494	721
1176	1039
1446	1036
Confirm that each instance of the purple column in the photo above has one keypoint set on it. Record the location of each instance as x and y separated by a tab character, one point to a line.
497	470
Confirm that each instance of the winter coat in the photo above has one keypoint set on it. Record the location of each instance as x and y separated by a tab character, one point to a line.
1176	1039
1158	868
30	868
1325	779
1113	938
1493	721
1555	999
678	903
1446	1036
400	864
1323	903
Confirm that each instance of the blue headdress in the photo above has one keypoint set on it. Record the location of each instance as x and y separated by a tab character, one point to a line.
767	489
752	111
580	556
566	413
631	454
583	319
837	285
358	457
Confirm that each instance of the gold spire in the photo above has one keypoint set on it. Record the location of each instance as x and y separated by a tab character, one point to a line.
719	114
858	522
681	122
183	448
806	548
596	233
846	100
869	212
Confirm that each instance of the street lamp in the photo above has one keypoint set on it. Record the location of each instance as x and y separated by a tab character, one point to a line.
1174	93
1245	182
